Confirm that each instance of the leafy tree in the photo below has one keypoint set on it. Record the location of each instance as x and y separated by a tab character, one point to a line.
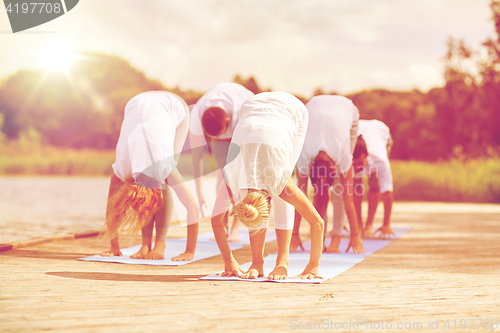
83	108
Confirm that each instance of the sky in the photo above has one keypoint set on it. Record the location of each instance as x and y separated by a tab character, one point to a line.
287	45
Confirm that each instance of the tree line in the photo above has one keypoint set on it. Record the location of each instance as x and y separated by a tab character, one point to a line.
83	108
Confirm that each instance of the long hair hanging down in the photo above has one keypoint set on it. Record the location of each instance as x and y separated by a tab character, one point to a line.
254	210
131	208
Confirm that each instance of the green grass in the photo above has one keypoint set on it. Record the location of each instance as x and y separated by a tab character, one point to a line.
450	181
70	162
51	161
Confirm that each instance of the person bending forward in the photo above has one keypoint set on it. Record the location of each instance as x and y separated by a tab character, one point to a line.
267	142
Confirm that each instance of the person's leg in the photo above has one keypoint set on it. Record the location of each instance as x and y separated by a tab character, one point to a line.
338	215
386	188
234	235
320	200
147	236
386	230
257	243
284	215
162	219
354	134
114	186
280	271
373	201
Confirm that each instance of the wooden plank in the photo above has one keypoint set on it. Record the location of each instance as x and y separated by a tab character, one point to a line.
446	268
41	240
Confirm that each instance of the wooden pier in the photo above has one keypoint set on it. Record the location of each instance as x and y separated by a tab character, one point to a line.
445	270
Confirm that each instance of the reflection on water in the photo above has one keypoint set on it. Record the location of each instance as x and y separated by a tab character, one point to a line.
41	206
44	206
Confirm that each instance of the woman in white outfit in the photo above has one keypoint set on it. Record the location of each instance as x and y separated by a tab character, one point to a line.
213	120
371	158
327	154
153	132
267	142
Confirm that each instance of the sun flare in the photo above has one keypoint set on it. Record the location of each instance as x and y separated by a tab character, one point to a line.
58	57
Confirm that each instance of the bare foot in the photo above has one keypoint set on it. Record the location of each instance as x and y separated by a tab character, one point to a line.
141	254
279	273
234	237
334	245
332	249
368	232
112	253
158	253
254	272
186	256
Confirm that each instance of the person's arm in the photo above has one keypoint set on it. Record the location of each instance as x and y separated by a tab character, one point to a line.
197	142
115	246
347	185
296	242
219	225
179	186
294	196
386	230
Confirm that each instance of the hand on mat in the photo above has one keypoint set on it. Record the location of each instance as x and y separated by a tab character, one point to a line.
310	272
385	232
368	231
113	252
186	256
231	269
356	244
295	243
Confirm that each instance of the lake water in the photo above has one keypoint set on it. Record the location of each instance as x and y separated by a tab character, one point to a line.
43	206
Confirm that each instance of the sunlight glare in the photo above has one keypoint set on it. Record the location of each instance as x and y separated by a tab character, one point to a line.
59	57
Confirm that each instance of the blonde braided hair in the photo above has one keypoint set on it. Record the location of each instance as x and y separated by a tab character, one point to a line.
254	210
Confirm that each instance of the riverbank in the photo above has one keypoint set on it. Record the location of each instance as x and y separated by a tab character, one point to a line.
475	181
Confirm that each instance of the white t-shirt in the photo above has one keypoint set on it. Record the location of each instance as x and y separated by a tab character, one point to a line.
377	135
332	128
227	96
146	143
266	143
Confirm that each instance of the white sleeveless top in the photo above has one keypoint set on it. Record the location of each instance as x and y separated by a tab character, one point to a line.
263	151
331	118
227	96
146	143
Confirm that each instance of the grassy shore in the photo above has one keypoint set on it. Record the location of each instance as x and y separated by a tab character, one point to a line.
450	181
50	161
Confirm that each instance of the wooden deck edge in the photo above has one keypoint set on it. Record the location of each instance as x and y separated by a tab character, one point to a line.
35	241
87	234
5	247
41	240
